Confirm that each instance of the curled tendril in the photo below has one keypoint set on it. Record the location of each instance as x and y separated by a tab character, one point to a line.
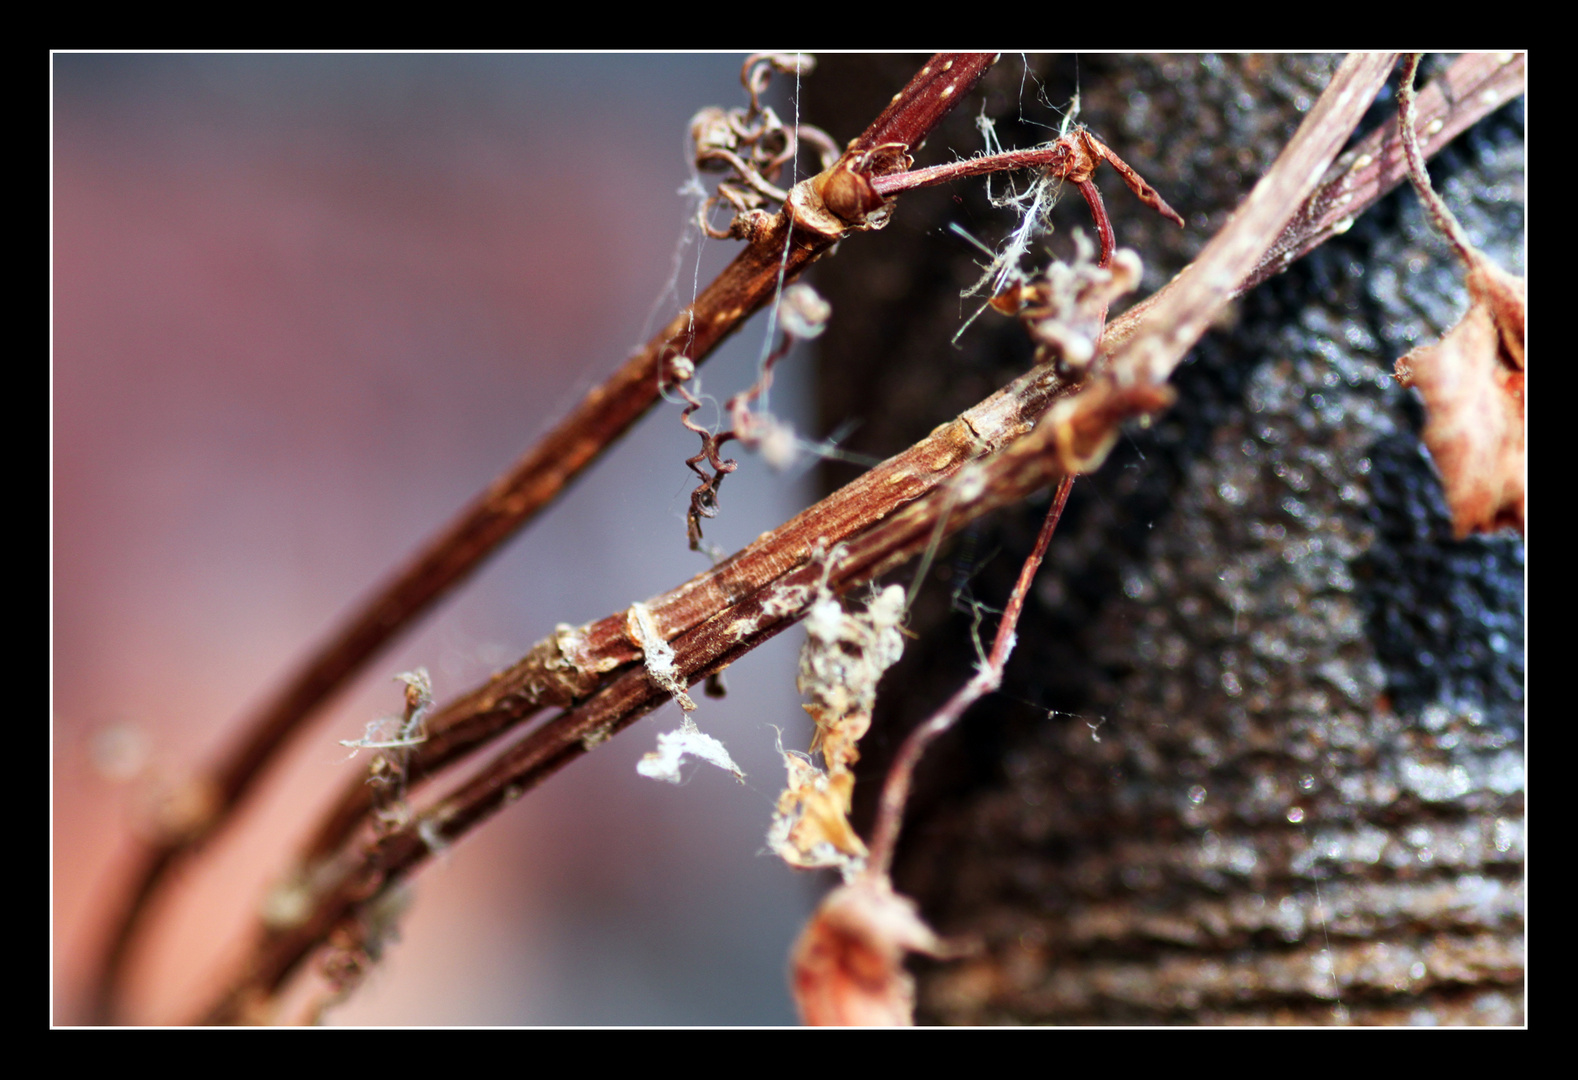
803	315
752	144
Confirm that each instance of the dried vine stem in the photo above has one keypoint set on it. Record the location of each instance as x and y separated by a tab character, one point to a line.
1408	130
572	663
1147	344
1174	318
1025	467
1470	88
779	248
896	789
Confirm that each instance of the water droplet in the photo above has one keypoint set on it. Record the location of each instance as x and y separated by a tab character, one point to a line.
1295	814
1135	585
1197	795
1435	783
1230	684
1416	970
1307	782
1504	775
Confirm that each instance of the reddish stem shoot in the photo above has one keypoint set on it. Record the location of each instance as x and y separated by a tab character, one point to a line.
890	811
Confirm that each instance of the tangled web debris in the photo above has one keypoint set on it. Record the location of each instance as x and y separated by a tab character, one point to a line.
657	654
399	732
395	737
1065	309
672	748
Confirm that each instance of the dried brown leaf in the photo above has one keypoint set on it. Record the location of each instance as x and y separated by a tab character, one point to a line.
848	966
811	828
1472	385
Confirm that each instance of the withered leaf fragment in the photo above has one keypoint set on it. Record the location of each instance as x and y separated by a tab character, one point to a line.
1472	385
845	655
848	966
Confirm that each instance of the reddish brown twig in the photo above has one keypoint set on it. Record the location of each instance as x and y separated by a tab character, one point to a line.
896	789
1408	126
779	247
1176	317
1072	157
925	100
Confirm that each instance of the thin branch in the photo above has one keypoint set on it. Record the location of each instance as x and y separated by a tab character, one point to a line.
1073	156
1177	316
1408	126
770	259
925	100
896	790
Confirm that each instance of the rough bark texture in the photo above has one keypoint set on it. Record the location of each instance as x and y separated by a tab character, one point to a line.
1302	800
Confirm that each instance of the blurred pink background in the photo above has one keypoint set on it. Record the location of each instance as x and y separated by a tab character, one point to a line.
305	307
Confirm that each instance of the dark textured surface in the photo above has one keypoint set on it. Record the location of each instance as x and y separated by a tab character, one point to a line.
1284	779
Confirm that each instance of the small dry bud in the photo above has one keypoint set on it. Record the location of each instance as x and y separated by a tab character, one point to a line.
710	130
680	369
